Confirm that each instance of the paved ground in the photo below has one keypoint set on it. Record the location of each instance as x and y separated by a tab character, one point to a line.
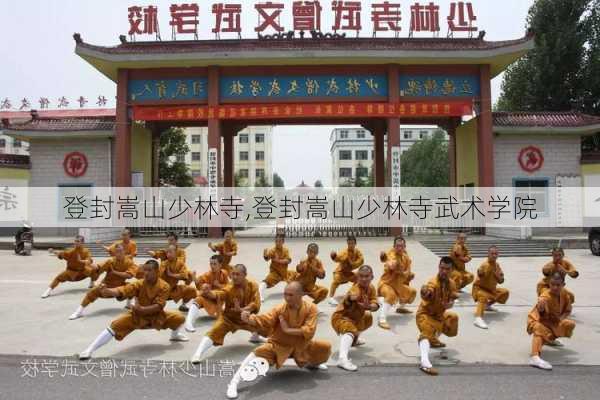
387	382
34	327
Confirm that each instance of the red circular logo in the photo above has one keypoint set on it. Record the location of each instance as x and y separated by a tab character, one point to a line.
531	159
75	164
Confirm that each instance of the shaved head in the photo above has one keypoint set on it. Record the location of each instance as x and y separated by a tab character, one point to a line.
293	293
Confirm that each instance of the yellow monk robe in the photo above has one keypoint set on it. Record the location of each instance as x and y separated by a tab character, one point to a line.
162	254
308	279
79	261
394	283
130	248
110	279
349	317
547	326
231	320
550	268
460	275
281	346
178	292
228	247
347	261
433	318
278	272
212	307
485	289
146	295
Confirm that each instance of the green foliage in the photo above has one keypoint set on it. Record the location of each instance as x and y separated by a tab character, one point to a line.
426	163
175	173
277	180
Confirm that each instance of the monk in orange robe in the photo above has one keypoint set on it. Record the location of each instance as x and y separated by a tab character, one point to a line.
292	326
172	240
548	320
215	279
279	255
308	271
353	315
433	318
348	260
460	256
147	313
394	284
485	289
558	264
79	266
173	270
118	270
227	249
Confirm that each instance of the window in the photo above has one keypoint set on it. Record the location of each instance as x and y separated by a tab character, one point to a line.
534	188
345	155
345	172
196	173
243	138
407	134
17	143
2	142
196	156
260	156
360	134
361	154
180	158
260	173
343	134
243	173
243	156
196	139
259	138
423	134
362	172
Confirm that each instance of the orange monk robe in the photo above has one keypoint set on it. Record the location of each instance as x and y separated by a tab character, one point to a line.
212	307
347	261
349	316
485	289
110	279
547	326
230	320
394	283
460	275
278	272
550	269
226	247
178	292
130	248
146	295
433	318
281	346
313	268
79	261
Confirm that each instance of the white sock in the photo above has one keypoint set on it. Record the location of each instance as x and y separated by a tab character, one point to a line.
104	337
193	314
424	347
47	293
384	310
262	288
345	344
205	344
79	310
128	303
237	376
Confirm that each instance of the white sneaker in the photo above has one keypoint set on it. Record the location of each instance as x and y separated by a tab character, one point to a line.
232	392
556	343
346	364
76	314
178	337
537	362
47	293
320	367
332	302
190	327
491	308
85	355
256	338
480	323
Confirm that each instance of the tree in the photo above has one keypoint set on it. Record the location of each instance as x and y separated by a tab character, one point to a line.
277	180
426	163
318	183
550	77
174	172
261	181
238	181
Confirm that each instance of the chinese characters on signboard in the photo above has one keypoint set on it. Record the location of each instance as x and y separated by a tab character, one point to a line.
386	17
213	182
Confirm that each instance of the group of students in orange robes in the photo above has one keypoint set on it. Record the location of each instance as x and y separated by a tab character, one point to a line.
226	293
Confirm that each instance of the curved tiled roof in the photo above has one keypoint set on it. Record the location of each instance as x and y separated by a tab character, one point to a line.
541	119
66	125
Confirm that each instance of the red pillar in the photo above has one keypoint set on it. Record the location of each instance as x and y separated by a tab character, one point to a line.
485	141
123	138
155	156
393	129
228	158
214	132
379	165
451	129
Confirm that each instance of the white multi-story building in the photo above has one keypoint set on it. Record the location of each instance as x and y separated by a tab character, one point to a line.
252	147
10	145
353	154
